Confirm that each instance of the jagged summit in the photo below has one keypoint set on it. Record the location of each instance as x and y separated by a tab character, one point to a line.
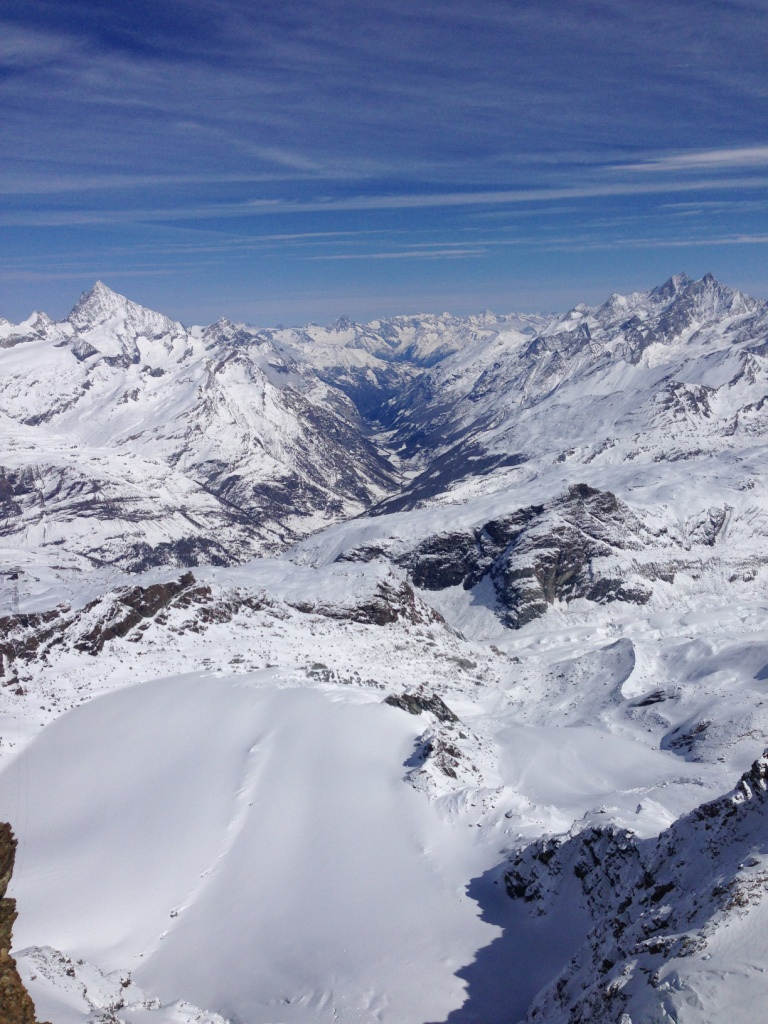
672	287
624	326
97	302
708	294
101	306
714	297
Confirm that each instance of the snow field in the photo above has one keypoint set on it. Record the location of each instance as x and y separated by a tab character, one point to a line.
252	847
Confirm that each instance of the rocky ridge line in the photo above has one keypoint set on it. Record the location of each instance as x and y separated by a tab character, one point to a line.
654	906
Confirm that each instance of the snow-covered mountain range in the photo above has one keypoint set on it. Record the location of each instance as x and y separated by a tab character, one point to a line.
388	671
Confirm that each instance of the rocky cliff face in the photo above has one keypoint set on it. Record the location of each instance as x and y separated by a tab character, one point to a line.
666	916
584	543
15	1005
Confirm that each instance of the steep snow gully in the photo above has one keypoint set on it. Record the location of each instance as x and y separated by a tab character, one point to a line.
411	672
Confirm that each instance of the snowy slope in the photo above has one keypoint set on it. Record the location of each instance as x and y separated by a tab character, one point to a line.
244	449
266	821
515	625
675	926
278	824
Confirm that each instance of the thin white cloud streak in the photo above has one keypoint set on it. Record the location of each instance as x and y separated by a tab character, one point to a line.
557	245
237	247
500	198
53	185
709	159
258	207
431	254
654	243
44	275
302	168
27	47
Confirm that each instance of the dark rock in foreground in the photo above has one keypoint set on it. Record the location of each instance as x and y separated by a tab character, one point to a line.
16	1007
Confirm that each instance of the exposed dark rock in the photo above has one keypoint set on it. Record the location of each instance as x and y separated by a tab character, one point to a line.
15	485
535	555
186	552
655	697
435	749
131	606
648	901
392	601
82	350
444	755
557	556
16	1007
686	401
461	557
25	636
415	703
686	738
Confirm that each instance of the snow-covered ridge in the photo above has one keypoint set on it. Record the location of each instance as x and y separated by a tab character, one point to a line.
119	416
668	919
512	624
270	434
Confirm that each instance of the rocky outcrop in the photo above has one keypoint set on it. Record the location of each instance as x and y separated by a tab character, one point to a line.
27	637
186	605
654	907
390	601
16	1007
537	555
134	605
415	703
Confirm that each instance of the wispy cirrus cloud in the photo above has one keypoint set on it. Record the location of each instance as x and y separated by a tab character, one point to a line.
421	254
122	122
52	184
361	203
736	158
639	243
453	93
93	271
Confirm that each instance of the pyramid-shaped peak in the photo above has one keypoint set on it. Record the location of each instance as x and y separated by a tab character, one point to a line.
102	293
101	304
100	288
95	303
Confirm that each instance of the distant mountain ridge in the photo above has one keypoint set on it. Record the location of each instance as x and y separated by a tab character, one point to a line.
133	440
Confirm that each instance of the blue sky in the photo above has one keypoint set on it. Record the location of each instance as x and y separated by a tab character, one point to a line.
294	160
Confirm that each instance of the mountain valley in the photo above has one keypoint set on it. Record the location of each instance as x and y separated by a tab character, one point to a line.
411	672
